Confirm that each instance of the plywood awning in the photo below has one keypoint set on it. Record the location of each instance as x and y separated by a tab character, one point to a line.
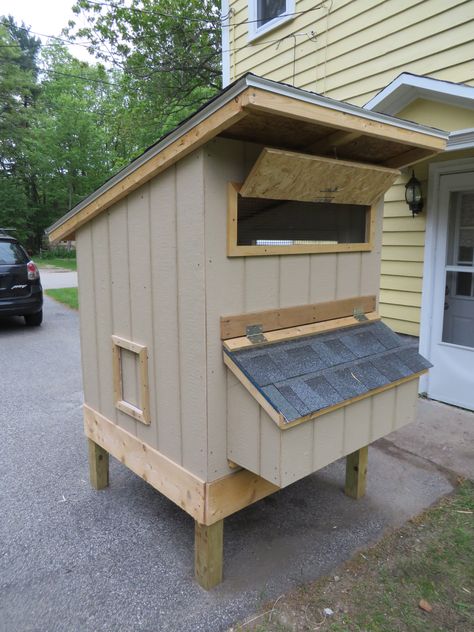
285	175
299	379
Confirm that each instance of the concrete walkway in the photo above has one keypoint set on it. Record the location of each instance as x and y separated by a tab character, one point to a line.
73	559
54	278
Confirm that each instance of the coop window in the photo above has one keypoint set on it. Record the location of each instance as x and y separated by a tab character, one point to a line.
130	374
259	226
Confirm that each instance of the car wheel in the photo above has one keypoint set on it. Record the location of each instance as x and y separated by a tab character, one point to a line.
34	320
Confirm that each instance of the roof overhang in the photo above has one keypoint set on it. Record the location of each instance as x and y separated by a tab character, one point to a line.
275	115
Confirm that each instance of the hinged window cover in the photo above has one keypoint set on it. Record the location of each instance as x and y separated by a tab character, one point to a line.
285	175
300	379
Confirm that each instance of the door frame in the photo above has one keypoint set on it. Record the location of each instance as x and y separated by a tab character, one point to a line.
436	170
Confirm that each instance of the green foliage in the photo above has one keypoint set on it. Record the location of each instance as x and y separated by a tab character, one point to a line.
66	126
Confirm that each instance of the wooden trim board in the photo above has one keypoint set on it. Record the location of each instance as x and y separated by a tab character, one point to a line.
206	502
140	414
281	335
235	250
282	318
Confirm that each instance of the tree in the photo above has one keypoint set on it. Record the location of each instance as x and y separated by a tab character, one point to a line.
18	92
168	51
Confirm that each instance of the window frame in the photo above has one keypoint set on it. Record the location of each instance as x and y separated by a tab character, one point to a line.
256	31
234	250
139	414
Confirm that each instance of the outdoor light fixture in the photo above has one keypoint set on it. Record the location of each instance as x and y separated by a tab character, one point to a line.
413	195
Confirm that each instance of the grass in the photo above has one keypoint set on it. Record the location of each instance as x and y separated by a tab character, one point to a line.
430	558
67	295
69	264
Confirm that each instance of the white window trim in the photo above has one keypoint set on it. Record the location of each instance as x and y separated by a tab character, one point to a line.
256	31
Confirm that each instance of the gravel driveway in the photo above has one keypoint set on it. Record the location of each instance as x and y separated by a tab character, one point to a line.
73	559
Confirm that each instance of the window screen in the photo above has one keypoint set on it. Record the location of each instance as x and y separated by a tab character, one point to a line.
263	222
269	9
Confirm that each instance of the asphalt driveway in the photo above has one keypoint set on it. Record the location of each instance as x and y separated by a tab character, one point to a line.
73	559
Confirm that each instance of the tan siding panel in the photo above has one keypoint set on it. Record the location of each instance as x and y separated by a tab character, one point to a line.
120	287
90	369
383	414
405	403
296	453
323	278
165	313
224	162
270	449
103	313
141	298
348	274
243	427
192	316
328	441
357	425
294	280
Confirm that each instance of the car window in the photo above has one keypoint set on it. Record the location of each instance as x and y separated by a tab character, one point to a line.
11	253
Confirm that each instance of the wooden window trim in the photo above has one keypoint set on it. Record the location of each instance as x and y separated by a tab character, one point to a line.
140	414
234	250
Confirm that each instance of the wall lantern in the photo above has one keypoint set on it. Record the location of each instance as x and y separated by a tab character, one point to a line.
413	195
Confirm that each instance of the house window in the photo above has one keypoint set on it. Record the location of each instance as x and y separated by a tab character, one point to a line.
130	375
265	15
258	226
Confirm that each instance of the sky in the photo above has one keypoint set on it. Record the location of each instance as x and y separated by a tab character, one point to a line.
44	16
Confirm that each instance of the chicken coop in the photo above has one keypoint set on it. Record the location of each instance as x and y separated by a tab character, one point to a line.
228	294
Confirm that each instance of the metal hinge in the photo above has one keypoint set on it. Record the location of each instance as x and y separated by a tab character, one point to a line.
359	314
255	333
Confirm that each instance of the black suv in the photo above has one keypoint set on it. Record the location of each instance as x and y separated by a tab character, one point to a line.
21	293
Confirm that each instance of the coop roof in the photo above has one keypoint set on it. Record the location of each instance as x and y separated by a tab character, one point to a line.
275	115
308	376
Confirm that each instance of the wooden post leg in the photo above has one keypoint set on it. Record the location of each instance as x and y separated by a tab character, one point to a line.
98	465
208	553
356	473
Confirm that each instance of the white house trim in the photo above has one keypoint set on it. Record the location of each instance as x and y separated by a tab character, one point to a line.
436	170
407	87
225	43
255	31
460	139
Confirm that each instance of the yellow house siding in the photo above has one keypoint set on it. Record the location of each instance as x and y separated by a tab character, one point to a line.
359	46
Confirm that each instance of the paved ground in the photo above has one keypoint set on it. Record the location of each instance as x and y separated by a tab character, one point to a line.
57	278
121	560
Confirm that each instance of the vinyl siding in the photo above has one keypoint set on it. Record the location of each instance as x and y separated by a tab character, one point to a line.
350	50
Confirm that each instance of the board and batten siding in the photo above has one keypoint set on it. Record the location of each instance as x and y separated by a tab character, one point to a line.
357	49
243	284
285	456
142	277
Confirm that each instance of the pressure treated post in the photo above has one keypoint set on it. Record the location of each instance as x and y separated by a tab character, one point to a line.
356	472
98	465
208	553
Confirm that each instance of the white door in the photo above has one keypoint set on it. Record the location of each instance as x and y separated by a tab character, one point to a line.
451	347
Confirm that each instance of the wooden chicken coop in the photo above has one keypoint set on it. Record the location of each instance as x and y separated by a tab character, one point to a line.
228	288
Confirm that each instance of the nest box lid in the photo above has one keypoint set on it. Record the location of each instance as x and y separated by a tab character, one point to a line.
299	379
